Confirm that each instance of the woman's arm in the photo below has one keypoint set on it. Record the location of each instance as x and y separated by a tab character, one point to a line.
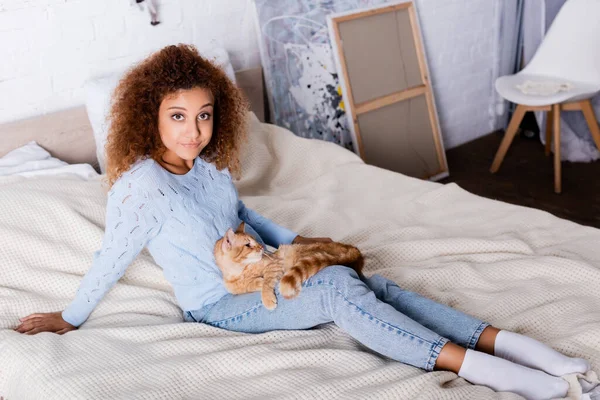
272	233
131	221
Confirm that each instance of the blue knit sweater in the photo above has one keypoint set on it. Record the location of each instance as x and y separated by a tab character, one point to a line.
179	218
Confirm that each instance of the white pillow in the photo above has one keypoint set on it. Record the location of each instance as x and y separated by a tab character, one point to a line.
33	160
98	91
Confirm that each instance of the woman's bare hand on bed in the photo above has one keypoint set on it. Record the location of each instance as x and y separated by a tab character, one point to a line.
44	322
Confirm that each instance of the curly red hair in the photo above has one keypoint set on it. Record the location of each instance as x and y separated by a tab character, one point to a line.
133	131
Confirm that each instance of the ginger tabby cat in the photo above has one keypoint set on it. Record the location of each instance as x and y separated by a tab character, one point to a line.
247	268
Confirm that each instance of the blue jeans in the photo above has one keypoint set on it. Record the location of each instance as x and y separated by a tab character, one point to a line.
394	322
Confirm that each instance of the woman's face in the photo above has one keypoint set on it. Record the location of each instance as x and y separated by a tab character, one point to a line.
185	124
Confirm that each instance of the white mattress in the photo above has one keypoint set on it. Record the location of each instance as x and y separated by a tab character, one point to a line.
518	268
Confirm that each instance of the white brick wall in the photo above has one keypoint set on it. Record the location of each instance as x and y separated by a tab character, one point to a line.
468	45
48	48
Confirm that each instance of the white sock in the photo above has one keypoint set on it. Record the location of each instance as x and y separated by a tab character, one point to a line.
531	353
587	387
504	376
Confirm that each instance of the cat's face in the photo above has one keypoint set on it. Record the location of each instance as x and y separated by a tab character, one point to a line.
241	247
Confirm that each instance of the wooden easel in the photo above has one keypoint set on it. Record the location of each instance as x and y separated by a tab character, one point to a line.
412	91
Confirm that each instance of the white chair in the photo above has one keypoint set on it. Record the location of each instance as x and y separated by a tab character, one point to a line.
569	55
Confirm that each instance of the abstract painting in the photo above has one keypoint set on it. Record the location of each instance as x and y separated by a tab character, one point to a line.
301	78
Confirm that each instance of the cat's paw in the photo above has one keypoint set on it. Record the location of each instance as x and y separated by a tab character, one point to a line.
269	301
289	286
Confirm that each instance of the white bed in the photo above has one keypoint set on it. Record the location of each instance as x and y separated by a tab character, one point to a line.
518	268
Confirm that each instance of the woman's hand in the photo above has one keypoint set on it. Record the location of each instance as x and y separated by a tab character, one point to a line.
306	240
44	322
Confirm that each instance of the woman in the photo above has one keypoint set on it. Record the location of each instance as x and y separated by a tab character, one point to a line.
177	124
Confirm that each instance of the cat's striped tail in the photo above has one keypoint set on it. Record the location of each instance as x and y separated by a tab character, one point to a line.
307	266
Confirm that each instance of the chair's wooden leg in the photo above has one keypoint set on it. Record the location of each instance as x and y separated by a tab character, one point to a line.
549	122
556	128
590	117
511	131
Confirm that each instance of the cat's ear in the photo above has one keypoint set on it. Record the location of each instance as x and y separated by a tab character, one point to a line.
241	228
228	240
230	236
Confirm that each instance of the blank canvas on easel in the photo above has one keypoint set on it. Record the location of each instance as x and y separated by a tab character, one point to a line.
386	90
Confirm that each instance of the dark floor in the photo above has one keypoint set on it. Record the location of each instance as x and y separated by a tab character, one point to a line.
526	178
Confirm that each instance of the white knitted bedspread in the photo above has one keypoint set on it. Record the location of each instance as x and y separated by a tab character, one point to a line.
518	268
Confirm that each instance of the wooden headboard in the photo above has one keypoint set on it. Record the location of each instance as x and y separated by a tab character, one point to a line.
68	135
